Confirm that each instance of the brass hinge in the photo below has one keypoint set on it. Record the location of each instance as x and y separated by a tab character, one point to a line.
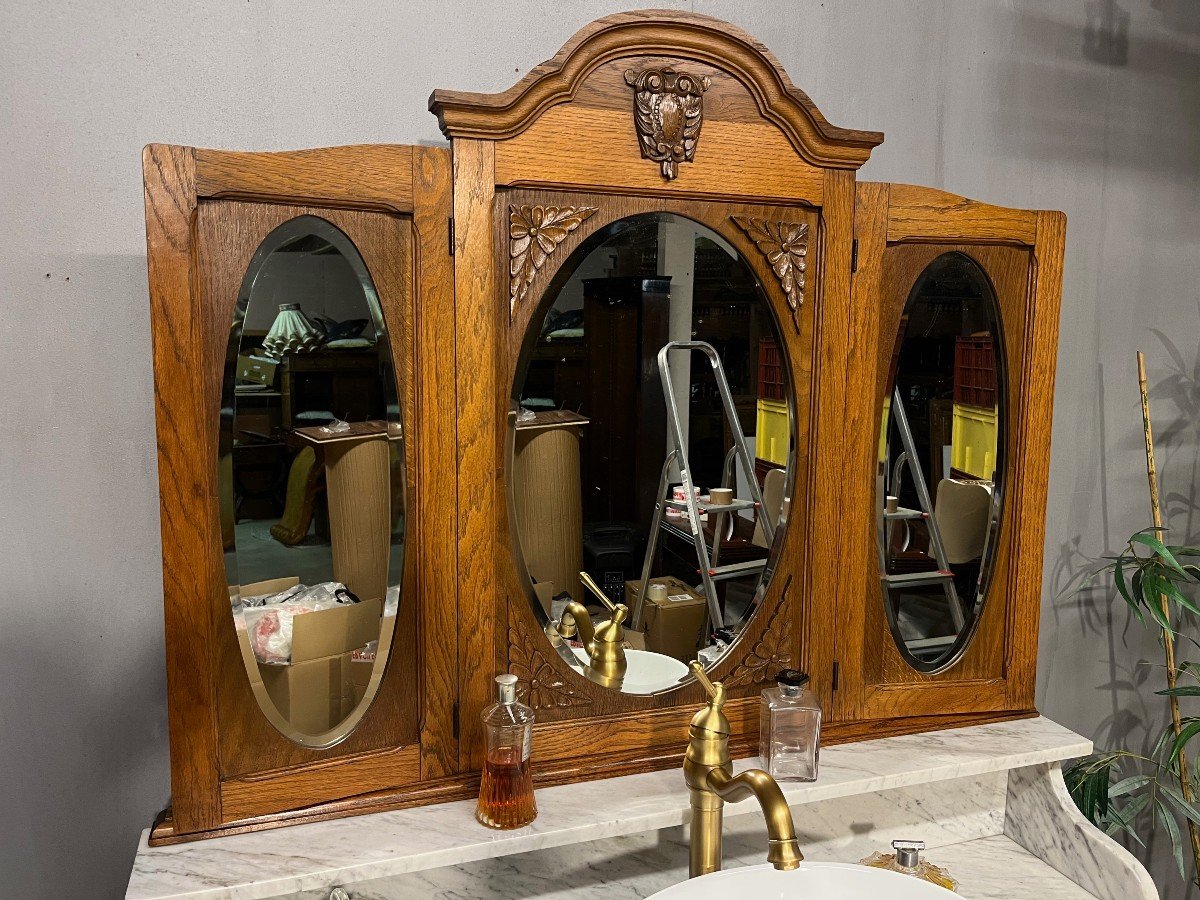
854	256
450	233
835	675
454	713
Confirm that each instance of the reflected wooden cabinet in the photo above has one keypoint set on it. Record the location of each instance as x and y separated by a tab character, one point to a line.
895	554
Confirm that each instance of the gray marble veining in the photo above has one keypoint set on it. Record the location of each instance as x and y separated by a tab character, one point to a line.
635	866
348	851
1041	818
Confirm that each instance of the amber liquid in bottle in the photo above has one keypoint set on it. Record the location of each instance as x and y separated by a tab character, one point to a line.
506	788
506	792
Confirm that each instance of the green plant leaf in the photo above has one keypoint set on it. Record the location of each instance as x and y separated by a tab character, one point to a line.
1187	690
1150	592
1128	785
1176	798
1185	735
1173	593
1167	818
1159	549
1124	819
1122	588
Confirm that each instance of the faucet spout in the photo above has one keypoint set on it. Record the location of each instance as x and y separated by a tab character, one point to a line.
783	849
711	782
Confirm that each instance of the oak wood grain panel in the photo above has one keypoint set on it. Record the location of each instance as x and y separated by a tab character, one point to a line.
998	668
1029	507
733	160
773	638
476	319
243	798
437	489
920	213
191	569
228	233
686	36
888	701
597	736
375	177
826	490
856	555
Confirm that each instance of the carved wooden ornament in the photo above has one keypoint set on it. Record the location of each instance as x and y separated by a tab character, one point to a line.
668	110
785	245
771	652
535	232
538	684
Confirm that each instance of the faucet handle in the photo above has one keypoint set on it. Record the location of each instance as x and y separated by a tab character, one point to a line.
590	584
716	690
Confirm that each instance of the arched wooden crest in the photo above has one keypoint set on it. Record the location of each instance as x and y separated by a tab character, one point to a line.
643	36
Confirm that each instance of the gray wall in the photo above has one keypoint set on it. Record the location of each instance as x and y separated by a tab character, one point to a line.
1010	102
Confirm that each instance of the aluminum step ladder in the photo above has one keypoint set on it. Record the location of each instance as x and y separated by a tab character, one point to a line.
943	576
710	571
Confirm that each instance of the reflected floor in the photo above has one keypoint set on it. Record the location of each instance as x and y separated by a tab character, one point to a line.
260	557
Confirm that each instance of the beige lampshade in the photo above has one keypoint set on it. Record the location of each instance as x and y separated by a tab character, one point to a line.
291	332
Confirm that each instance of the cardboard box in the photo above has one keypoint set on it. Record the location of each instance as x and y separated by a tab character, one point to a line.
315	695
324	681
256	369
672	626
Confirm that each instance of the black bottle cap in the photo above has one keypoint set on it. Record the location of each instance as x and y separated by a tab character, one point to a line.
792	678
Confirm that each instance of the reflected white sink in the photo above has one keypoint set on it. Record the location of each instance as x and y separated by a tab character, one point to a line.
812	881
646	672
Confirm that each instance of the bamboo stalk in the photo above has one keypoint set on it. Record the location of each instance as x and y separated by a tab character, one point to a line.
1185	780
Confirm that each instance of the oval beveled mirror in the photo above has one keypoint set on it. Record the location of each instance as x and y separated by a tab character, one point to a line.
940	465
604	460
312	482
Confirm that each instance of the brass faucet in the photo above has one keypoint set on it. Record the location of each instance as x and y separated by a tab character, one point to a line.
710	779
604	643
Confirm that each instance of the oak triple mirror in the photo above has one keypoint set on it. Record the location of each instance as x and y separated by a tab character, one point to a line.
312	481
938	480
651	451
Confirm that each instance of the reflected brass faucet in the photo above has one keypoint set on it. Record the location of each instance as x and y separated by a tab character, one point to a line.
604	643
710	779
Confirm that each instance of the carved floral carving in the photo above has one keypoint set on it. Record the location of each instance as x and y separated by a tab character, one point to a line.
538	683
668	110
535	232
785	245
771	652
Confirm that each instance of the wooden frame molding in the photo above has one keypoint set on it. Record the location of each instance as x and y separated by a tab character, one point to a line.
206	213
639	113
465	114
900	229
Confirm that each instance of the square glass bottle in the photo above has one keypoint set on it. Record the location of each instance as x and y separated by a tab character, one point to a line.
790	728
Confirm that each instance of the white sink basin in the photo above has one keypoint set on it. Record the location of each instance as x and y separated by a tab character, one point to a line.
812	881
646	672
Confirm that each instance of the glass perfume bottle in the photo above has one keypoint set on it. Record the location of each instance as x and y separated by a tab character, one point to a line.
907	861
790	728
506	789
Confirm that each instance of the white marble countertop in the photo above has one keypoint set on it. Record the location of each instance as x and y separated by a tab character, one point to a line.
632	868
313	856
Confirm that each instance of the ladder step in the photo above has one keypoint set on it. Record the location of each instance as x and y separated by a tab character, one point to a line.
735	570
916	579
714	507
904	513
929	644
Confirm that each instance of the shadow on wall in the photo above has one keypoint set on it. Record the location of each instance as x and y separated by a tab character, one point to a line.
1103	82
1136	716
